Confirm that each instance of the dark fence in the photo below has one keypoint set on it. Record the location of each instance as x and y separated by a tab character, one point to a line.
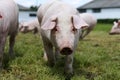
107	20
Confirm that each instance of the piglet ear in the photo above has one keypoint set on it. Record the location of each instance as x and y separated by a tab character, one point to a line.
114	22
118	23
79	23
50	23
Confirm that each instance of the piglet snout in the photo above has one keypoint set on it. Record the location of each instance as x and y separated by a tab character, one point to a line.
66	51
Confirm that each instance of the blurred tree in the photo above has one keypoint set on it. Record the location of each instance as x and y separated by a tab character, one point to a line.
33	8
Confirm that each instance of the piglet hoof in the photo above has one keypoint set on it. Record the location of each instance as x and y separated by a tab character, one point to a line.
45	57
1	67
51	64
11	55
80	38
0	70
68	75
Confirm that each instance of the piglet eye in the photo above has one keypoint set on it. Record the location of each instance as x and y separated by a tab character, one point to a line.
74	29
55	29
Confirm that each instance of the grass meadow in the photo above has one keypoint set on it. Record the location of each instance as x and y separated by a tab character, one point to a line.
97	57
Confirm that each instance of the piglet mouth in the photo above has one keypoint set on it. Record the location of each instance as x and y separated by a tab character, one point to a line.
66	51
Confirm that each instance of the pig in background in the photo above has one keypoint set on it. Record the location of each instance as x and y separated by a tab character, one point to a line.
8	26
115	28
60	27
29	26
91	21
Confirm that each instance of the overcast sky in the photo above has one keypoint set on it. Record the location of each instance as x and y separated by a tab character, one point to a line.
28	3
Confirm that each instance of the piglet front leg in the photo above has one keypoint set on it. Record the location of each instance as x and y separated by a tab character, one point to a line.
48	47
11	45
2	45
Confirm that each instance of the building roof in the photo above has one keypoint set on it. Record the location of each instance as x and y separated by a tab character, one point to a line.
102	4
23	8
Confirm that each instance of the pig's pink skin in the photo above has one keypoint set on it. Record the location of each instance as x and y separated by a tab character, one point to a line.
91	21
8	25
60	27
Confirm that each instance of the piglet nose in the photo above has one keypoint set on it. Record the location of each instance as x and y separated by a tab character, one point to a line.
66	51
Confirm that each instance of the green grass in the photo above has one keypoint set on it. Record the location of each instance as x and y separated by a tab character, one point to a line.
96	58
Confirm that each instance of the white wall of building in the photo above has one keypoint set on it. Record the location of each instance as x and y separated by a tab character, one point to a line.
25	16
108	13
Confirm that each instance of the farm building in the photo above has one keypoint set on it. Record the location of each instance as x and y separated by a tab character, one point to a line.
102	9
25	14
22	8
